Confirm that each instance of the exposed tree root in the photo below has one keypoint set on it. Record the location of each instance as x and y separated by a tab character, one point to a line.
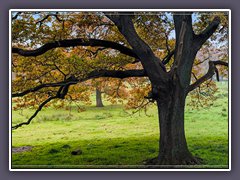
175	163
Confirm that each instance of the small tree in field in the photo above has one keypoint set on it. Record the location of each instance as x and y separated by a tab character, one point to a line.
56	54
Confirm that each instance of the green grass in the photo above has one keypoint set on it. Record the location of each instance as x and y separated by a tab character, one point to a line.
110	137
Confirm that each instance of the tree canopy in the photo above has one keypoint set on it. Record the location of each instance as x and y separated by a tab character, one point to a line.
59	58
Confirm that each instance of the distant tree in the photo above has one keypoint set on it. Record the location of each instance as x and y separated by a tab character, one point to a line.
55	56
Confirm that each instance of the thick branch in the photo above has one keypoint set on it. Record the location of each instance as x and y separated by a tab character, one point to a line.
210	29
184	53
117	74
37	88
211	70
182	23
75	42
154	67
94	74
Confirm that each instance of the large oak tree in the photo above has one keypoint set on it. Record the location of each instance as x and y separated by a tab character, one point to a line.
81	46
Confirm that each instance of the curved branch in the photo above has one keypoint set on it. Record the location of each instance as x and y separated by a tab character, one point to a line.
75	42
209	30
69	81
47	16
63	89
219	62
211	70
94	74
62	92
35	114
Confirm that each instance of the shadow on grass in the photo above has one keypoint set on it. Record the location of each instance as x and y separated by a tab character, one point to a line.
112	153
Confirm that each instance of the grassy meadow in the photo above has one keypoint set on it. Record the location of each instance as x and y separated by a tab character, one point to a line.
111	137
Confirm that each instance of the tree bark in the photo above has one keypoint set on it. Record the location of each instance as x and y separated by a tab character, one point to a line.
99	102
173	149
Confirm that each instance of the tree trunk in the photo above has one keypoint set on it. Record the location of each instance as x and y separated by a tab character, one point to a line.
99	102
173	148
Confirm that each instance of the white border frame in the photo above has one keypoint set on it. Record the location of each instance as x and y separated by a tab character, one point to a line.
111	10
